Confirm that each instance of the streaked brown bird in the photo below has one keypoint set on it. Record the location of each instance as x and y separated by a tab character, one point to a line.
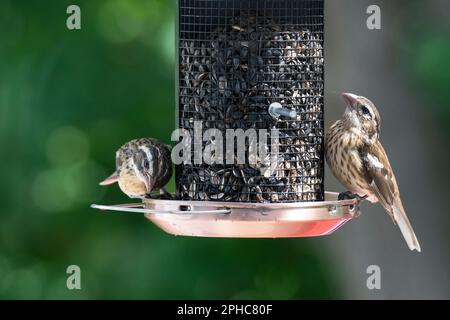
358	160
142	165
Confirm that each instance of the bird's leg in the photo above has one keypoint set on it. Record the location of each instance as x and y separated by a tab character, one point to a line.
350	195
361	198
165	194
161	194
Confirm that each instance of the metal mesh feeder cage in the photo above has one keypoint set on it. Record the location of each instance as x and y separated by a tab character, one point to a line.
248	65
252	64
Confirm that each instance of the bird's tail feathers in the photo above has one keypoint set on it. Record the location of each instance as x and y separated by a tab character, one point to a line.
403	223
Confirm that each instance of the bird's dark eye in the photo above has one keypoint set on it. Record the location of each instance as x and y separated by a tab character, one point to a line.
146	164
365	110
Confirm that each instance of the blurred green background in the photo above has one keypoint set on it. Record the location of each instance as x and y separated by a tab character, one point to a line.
69	99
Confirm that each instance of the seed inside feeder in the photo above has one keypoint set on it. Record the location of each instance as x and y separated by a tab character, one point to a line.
228	80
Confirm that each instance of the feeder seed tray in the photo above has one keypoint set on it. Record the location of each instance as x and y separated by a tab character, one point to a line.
251	64
245	220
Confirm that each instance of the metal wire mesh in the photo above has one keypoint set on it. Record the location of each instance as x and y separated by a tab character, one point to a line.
237	57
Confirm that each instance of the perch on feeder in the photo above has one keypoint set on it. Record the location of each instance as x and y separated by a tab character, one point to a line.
251	64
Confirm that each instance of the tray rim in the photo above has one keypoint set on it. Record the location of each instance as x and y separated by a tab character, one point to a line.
255	205
330	208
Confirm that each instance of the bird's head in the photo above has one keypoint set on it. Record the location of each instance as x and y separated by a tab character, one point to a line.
362	116
142	165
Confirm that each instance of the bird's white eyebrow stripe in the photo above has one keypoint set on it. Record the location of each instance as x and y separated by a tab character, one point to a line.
147	152
374	161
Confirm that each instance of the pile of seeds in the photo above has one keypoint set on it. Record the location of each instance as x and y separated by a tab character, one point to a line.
228	81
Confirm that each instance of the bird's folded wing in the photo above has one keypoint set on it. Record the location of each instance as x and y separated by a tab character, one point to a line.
378	174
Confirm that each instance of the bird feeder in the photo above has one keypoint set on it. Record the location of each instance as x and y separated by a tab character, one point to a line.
248	65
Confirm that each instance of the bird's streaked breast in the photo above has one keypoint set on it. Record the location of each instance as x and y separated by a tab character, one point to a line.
343	158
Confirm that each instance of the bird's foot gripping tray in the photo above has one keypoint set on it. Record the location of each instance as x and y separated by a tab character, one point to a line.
245	220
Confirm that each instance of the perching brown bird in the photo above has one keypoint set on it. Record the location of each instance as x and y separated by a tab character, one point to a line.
142	165
358	160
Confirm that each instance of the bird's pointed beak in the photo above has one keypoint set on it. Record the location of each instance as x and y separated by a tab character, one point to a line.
350	99
110	180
